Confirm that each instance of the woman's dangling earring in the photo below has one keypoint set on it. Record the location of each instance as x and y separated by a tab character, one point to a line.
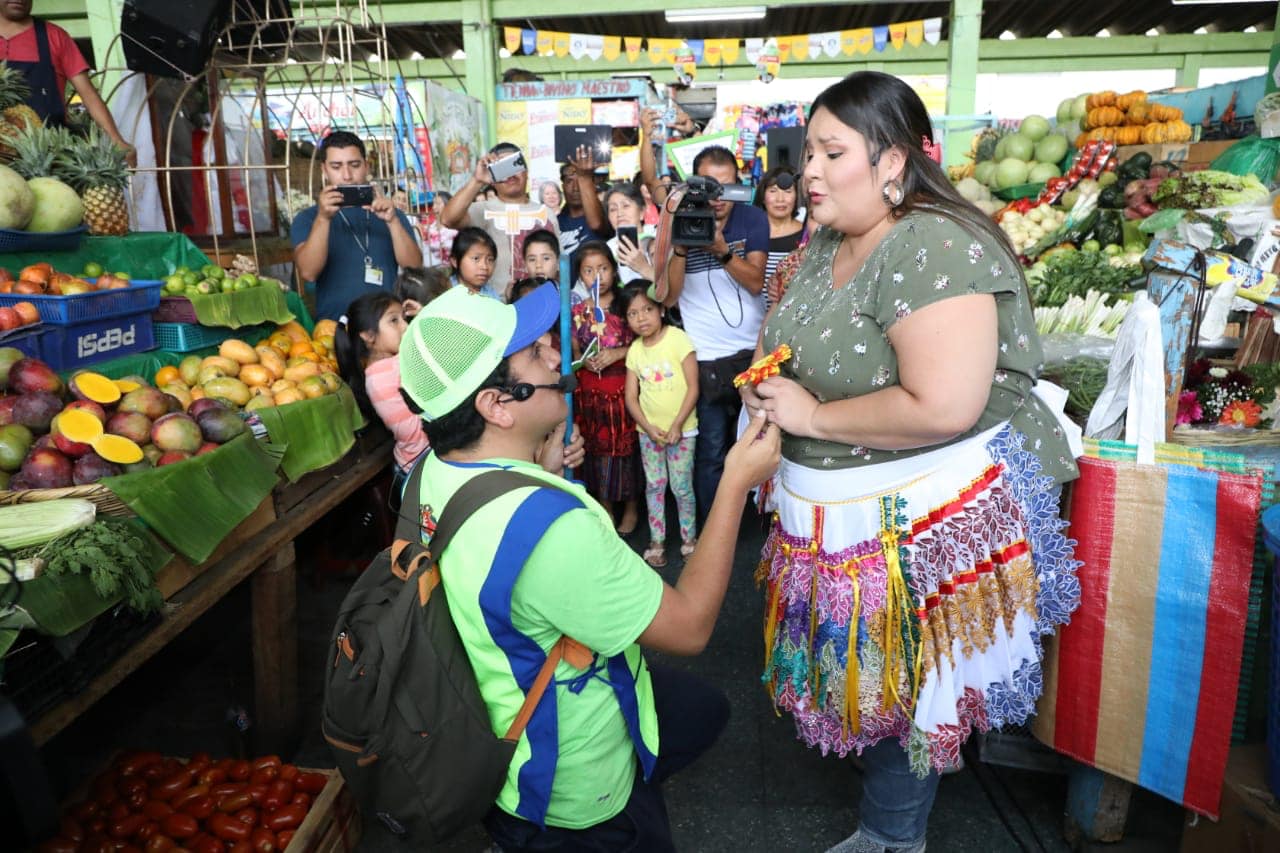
892	192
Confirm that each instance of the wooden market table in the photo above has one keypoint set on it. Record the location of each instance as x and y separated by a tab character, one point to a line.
266	557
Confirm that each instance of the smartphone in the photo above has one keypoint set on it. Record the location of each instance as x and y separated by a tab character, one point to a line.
512	164
630	234
356	195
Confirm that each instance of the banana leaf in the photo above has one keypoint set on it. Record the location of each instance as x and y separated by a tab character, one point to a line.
142	255
242	307
194	504
316	433
60	605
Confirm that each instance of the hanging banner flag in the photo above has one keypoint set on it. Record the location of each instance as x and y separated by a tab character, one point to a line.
864	39
511	37
782	50
712	52
529	42
560	44
577	45
593	45
754	46
697	48
633	44
800	47
729	50
933	30
612	47
915	32
674	46
545	38
897	35
880	38
828	44
848	42
657	47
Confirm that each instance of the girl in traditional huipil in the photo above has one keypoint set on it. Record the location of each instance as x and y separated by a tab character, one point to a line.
917	556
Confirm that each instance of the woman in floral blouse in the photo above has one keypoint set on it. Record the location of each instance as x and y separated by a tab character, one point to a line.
917	555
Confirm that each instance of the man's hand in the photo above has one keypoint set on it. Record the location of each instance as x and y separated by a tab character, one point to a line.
719	245
754	458
328	203
481	173
584	161
383	207
649	119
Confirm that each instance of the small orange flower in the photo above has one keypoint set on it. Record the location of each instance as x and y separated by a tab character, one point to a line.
1245	413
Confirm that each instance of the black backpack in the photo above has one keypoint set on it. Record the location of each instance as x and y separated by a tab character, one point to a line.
402	709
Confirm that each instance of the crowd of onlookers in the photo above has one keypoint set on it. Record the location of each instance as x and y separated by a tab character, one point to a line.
654	401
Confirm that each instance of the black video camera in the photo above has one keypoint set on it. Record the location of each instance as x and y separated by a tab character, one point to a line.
694	222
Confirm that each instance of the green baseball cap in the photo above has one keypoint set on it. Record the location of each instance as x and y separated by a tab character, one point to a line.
457	340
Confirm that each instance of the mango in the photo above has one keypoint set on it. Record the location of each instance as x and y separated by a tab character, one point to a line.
312	387
189	368
299	372
238	351
227	388
229	367
256	374
288	395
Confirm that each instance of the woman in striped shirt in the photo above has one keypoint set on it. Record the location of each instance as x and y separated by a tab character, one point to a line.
778	196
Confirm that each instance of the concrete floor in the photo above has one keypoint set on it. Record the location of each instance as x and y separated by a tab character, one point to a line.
758	789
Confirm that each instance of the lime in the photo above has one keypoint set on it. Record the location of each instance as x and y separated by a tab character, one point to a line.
123	276
174	284
93	269
216	273
246	280
1091	246
190	279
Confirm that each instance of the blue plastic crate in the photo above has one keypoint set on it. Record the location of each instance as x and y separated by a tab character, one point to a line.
26	339
69	347
139	296
187	337
41	241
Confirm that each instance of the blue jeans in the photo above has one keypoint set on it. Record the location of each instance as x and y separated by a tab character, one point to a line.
895	806
717	430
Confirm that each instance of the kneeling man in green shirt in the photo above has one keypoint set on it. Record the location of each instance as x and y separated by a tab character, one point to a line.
587	770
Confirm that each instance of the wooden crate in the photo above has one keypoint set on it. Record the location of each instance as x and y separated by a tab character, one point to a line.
333	824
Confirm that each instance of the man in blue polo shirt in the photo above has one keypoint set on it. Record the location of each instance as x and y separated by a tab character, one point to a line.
347	251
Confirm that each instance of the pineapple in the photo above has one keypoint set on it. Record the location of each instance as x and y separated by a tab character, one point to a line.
96	168
35	150
984	143
15	115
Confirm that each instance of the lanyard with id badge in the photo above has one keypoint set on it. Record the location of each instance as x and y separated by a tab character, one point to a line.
372	274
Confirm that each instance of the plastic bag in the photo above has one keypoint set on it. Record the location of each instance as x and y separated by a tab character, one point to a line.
1134	393
1252	155
1061	347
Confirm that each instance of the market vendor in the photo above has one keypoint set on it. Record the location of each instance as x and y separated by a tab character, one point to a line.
347	251
48	57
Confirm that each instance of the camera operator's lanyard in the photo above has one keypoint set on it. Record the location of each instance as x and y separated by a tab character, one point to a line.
372	274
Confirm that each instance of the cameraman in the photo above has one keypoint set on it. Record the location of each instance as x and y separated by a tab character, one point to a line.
508	218
720	290
347	250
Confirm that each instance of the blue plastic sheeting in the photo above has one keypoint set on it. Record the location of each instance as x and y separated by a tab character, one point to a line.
1194	103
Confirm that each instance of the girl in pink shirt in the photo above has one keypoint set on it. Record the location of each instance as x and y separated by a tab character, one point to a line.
367	341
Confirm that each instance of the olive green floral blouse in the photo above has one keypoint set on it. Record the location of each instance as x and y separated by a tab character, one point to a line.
840	343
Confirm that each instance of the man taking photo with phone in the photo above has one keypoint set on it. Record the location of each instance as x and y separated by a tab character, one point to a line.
509	218
353	239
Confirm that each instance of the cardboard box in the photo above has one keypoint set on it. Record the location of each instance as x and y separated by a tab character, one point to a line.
1207	152
1174	151
1250	821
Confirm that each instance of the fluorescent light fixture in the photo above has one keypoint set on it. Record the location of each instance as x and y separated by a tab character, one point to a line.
1214	2
459	54
1007	35
723	13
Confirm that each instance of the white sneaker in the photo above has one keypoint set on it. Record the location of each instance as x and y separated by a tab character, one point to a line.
856	843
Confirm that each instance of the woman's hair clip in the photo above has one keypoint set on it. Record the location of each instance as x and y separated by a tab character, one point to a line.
342	321
932	149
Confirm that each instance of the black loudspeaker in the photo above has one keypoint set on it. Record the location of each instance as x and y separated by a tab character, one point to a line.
171	38
786	147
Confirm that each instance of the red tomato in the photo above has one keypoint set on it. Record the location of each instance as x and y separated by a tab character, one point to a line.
119	811
173	785
180	825
212	776
97	826
288	817
239	771
248	816
265	762
85	811
199	808
159	844
265	776
129	848
263	841
157	809
312	783
200	761
301	799
134	763
71	828
257	792
136	801
97	844
225	788
131	786
228	828
283	838
149	829
192	793
240	847
235	802
127	826
206	844
289	772
279	793
59	845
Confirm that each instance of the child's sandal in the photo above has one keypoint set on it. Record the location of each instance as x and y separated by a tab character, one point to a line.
656	555
686	549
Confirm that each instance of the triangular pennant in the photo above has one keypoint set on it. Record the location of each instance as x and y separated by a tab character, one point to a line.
800	47
784	49
634	44
864	39
848	42
545	39
729	50
560	44
879	38
933	30
511	38
915	32
674	46
657	48
754	46
696	48
529	41
897	35
577	45
593	45
612	47
712	51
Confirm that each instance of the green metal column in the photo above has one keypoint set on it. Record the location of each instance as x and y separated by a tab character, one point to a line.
480	43
1273	63
108	54
962	72
1188	73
